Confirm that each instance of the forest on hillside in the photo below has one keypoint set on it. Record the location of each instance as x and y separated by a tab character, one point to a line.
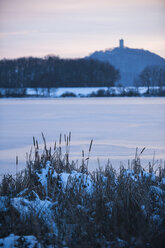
51	71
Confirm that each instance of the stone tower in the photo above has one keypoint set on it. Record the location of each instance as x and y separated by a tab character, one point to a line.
121	43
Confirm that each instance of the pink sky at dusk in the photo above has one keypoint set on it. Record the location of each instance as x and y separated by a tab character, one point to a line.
74	28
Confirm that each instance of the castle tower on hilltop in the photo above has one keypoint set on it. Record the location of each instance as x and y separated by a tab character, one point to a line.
121	43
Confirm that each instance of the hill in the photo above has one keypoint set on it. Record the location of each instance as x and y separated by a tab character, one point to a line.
130	62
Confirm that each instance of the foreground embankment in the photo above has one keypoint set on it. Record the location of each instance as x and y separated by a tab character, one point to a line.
52	203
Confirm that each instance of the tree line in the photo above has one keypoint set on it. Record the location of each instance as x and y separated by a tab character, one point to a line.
52	71
152	76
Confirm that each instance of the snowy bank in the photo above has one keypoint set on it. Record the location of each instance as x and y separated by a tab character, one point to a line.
82	92
53	203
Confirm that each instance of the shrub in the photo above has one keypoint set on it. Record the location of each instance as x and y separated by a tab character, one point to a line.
68	94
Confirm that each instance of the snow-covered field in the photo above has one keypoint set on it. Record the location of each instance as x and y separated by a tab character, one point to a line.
77	91
57	92
117	125
82	91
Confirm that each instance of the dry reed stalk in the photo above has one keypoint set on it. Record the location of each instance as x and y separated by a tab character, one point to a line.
89	151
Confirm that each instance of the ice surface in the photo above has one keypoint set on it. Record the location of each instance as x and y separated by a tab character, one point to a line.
117	125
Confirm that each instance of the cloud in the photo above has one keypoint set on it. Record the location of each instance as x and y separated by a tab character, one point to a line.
7	34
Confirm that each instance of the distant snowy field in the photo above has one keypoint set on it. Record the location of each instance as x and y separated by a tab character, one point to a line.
82	91
57	92
117	125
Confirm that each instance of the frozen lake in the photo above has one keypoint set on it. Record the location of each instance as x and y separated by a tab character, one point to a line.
117	125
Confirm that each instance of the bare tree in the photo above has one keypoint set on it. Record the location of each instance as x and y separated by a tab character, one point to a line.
152	76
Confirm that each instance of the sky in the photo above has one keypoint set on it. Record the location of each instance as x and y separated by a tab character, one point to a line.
76	28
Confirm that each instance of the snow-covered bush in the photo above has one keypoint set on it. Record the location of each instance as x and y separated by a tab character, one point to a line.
60	205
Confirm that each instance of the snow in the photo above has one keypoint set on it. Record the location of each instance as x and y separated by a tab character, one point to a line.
3	203
57	92
40	208
12	240
156	218
81	91
64	178
78	91
151	175
143	174
158	195
131	174
85	179
43	175
157	190
163	181
121	243
22	205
